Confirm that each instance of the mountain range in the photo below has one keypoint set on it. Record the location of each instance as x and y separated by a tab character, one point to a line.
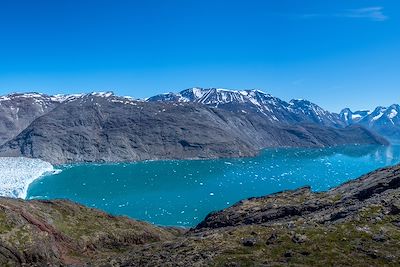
383	120
273	108
195	123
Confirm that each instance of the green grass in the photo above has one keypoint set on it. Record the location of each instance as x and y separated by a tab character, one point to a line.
342	244
5	226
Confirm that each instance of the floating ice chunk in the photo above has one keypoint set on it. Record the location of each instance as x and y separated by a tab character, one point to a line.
16	174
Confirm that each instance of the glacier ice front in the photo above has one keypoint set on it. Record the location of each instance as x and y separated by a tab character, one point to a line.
16	174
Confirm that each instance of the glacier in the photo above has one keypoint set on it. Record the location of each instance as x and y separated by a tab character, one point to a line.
17	173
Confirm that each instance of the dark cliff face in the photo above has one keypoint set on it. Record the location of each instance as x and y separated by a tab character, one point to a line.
96	128
355	224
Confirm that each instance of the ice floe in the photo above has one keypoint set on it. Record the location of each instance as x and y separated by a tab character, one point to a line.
16	174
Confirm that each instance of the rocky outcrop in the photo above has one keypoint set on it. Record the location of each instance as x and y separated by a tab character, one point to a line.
97	128
381	186
355	224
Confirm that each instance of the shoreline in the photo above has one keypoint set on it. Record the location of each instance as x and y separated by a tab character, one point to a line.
48	192
260	151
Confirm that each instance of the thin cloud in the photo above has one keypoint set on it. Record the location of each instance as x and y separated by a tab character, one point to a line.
369	13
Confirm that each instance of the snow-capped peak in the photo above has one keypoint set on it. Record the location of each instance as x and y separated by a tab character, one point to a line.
41	100
313	111
29	95
222	96
378	117
62	98
253	100
102	94
350	117
209	96
306	106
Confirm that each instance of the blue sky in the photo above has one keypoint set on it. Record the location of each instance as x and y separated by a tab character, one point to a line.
334	53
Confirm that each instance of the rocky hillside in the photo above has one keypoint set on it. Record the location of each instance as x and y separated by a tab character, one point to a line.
104	127
355	224
383	121
17	111
54	233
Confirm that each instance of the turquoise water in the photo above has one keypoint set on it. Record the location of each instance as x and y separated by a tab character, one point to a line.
183	192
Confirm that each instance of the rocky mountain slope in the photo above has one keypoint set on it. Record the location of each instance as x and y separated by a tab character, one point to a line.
105	127
17	111
355	224
383	120
272	108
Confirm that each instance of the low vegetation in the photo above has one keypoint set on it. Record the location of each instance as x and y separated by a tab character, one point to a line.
356	224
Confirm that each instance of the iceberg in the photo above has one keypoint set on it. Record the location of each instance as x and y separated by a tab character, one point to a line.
16	174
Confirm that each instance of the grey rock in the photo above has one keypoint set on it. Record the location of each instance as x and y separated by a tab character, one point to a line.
333	206
249	242
299	238
272	239
288	254
381	237
107	128
394	208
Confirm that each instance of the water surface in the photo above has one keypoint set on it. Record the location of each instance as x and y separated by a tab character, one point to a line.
183	192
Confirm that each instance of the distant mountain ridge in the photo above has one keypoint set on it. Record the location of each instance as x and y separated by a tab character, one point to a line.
383	120
18	110
272	107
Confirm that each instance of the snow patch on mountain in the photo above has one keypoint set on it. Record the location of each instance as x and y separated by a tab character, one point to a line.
393	114
379	115
273	108
59	98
